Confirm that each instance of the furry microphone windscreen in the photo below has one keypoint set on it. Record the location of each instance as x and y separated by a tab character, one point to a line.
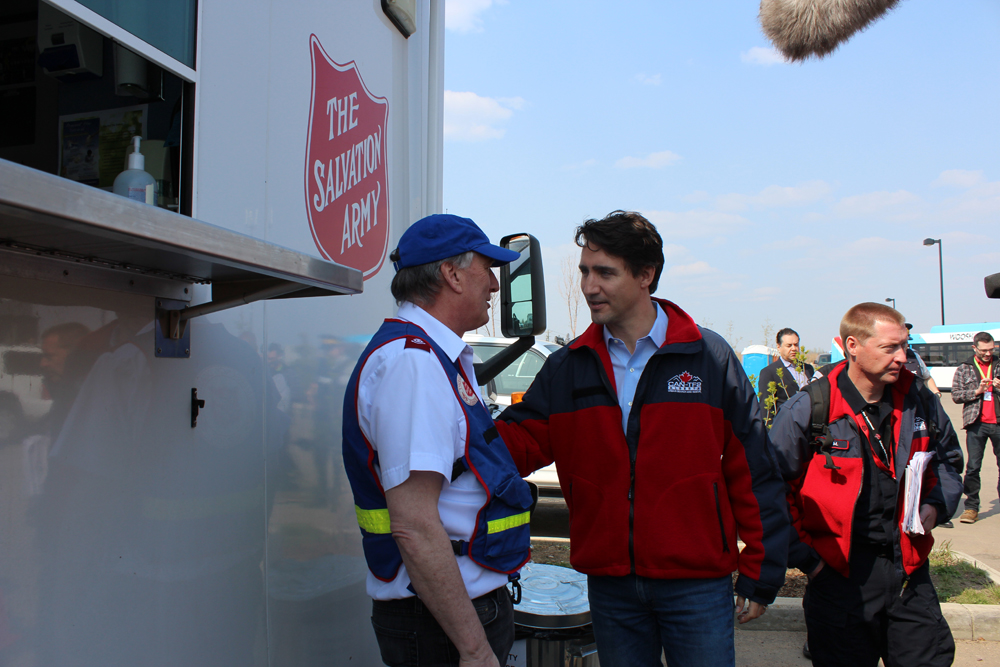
803	28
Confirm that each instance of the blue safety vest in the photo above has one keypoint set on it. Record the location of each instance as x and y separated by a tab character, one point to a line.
500	540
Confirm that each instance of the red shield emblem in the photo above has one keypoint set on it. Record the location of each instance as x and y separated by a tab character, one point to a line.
347	193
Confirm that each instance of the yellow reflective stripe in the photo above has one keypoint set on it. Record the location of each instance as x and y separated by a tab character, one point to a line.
373	521
497	525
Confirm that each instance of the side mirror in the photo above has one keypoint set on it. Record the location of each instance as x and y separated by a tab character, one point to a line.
522	303
992	284
522	288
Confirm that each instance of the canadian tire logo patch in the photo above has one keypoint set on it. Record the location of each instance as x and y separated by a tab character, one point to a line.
346	175
684	383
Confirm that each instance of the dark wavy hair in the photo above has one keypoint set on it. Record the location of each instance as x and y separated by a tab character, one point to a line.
629	236
785	332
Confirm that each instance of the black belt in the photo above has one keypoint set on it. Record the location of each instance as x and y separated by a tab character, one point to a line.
415	605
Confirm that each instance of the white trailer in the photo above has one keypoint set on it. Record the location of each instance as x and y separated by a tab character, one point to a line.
292	143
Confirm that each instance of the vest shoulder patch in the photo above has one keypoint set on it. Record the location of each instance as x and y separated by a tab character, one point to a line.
417	343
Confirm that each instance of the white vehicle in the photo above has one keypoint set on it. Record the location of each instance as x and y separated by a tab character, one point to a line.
173	508
517	377
944	347
514	380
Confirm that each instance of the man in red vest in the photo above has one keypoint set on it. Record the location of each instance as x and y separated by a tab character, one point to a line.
850	446
975	386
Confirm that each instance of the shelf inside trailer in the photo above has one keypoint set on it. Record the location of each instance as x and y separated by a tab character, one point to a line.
52	228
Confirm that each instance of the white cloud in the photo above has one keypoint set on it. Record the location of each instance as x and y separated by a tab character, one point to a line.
794	243
700	268
890	206
674	251
695	223
651	161
466	15
648	79
695	197
958	178
776	196
759	55
469	117
764	293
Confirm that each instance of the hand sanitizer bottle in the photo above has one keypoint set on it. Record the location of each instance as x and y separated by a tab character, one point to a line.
135	183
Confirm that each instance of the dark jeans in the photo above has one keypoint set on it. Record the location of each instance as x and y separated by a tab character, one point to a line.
635	618
857	620
975	441
409	636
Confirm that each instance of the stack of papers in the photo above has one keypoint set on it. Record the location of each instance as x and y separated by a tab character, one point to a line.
914	480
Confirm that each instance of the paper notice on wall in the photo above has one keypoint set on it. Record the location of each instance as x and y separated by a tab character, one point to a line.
914	481
93	145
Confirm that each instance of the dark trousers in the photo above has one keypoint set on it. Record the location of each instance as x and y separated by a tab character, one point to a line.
409	636
870	615
975	441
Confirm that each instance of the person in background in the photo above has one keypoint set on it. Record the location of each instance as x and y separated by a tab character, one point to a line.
916	365
663	458
869	594
276	366
60	381
442	510
791	379
975	387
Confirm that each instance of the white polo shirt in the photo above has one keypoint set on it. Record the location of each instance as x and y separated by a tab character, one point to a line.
408	411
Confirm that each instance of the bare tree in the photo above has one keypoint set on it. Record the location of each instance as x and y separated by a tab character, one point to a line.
733	340
768	330
569	289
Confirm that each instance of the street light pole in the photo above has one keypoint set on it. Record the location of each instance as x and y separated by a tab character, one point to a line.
893	302
940	270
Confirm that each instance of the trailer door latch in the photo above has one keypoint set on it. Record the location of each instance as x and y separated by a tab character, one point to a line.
196	405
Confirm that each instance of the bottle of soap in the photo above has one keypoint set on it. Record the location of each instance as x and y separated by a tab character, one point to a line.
135	183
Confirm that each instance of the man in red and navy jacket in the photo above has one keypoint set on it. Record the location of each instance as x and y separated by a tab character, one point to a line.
663	459
869	595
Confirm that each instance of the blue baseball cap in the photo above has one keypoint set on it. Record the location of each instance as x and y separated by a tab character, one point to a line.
442	235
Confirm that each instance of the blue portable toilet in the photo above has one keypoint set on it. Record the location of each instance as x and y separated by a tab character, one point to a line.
756	357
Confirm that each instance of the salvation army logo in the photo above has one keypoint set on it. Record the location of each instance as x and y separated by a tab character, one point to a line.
346	176
466	391
685	383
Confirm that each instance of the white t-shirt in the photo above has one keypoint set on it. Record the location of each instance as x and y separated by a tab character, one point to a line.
408	410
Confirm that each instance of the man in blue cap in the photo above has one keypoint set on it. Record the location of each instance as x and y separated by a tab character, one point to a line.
442	510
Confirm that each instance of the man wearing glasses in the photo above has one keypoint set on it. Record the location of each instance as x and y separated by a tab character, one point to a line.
975	386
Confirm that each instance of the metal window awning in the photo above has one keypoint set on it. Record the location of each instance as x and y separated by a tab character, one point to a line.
55	229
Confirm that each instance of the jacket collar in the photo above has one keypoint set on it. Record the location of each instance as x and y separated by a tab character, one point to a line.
680	329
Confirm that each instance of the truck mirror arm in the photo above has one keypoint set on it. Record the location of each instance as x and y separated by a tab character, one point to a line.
488	370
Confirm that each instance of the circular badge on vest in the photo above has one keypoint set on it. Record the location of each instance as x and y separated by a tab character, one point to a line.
466	392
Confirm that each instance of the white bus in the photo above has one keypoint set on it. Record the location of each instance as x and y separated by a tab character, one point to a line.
947	346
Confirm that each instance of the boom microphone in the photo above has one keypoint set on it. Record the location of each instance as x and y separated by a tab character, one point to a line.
803	28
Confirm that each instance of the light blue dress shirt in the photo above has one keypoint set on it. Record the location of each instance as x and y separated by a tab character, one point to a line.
628	367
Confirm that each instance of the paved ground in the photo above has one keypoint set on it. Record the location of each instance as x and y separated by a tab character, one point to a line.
980	540
784	649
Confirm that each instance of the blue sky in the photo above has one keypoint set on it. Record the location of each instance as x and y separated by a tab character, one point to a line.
785	193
